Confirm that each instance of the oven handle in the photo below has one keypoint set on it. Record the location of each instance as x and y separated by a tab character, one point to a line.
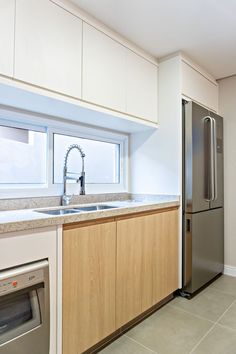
18	270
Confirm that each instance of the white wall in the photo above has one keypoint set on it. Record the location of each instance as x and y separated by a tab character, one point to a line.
155	156
227	108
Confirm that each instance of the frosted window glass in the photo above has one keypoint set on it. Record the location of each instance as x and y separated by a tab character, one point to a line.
102	159
22	156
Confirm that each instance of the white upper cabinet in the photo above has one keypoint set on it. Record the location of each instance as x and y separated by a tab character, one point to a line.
7	15
117	78
141	87
48	46
198	87
103	69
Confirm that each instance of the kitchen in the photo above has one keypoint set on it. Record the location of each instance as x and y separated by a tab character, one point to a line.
117	212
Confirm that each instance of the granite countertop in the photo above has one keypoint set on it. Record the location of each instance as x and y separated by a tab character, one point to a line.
24	219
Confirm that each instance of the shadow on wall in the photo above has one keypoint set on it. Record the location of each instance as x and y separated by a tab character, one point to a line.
154	162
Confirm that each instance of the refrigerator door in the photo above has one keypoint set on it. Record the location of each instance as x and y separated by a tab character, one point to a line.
196	157
219	168
203	248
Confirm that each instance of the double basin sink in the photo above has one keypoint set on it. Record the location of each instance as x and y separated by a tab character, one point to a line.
76	210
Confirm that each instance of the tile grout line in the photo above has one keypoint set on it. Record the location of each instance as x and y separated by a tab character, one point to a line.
221	291
135	341
201	317
217	322
210	329
226	327
193	314
202	338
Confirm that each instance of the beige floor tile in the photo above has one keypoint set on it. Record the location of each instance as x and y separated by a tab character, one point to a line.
229	318
219	341
170	331
210	304
226	284
124	345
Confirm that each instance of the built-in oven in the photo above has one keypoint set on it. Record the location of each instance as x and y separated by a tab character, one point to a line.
24	309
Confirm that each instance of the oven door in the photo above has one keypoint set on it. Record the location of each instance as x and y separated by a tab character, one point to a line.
19	314
25	309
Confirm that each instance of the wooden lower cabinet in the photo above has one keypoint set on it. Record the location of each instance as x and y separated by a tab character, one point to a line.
147	262
166	252
89	261
134	267
115	270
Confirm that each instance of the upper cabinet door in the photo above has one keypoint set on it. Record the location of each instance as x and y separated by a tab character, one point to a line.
199	88
103	69
48	46
7	15
141	88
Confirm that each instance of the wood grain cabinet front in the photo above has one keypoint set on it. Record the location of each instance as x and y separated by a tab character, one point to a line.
165	255
89	257
115	270
147	263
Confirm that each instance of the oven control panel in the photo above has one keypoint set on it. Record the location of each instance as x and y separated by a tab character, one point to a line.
11	281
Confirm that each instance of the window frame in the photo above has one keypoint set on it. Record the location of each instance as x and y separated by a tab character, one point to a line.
57	126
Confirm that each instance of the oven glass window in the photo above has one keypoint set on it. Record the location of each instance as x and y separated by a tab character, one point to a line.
15	312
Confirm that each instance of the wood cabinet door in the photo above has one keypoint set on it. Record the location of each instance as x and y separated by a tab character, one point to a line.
166	251
147	262
88	285
7	19
103	69
48	47
142	83
134	267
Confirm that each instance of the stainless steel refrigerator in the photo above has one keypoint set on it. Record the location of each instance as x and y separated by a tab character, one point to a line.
203	197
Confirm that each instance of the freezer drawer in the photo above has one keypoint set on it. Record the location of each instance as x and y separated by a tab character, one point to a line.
203	242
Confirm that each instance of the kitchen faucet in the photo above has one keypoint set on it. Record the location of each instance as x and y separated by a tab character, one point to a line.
66	198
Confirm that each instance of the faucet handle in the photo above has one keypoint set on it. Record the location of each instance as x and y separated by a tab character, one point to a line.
82	183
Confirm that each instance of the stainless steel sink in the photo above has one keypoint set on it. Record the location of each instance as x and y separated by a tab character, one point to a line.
75	210
59	211
96	207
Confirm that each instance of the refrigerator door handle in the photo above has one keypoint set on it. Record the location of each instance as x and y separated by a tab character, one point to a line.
215	158
211	162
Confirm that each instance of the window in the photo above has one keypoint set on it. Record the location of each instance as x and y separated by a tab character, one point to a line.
32	152
23	156
102	159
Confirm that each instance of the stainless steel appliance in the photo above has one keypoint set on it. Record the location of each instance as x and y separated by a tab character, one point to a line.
203	213
24	309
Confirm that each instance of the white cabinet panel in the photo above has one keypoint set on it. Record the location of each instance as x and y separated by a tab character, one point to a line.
199	88
48	46
7	15
103	69
141	87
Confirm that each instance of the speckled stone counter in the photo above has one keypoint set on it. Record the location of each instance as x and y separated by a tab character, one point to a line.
24	219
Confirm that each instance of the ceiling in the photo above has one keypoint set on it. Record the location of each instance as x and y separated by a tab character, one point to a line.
205	30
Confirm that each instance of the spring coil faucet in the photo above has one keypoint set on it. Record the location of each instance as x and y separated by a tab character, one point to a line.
66	198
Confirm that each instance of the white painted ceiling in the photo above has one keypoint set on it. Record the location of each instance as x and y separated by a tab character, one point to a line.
203	29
